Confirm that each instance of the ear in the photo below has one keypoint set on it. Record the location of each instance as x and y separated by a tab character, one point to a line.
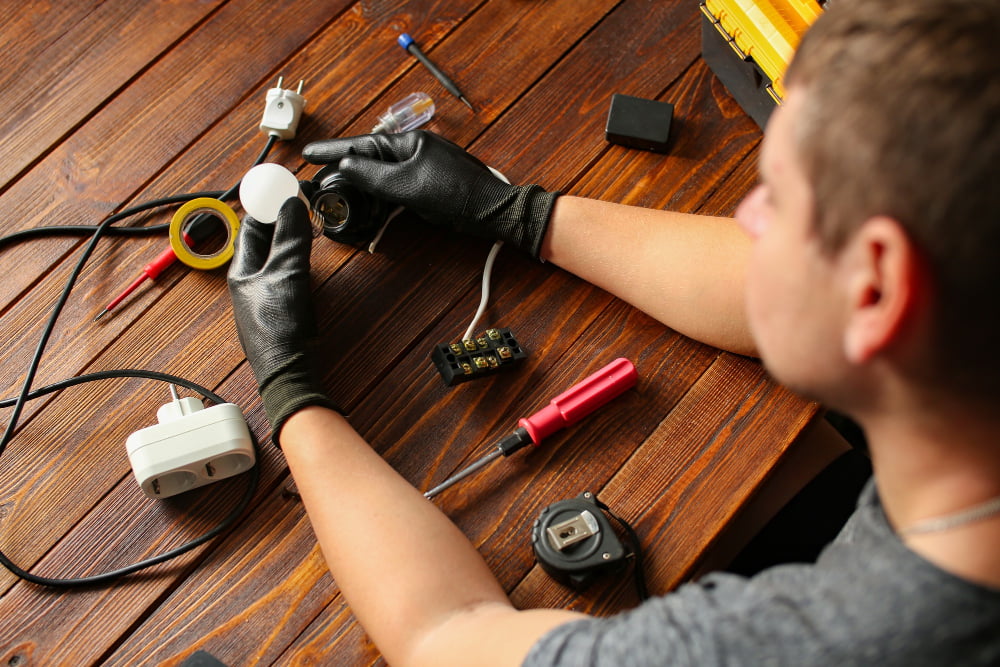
884	272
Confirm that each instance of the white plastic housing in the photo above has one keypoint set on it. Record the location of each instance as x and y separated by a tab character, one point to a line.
282	111
191	447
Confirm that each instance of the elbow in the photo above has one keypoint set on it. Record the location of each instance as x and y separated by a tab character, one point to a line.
451	639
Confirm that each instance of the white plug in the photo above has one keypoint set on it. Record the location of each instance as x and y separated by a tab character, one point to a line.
190	447
282	111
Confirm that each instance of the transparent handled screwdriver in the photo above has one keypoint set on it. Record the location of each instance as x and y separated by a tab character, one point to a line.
565	409
411	112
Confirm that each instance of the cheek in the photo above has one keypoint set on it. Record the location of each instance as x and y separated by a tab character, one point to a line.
752	213
771	292
755	303
758	286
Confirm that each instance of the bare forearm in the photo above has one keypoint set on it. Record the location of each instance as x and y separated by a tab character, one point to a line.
684	270
406	570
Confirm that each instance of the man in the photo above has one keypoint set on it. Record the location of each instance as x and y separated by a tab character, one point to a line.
864	277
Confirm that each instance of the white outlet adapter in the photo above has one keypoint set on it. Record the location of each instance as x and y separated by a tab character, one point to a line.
190	447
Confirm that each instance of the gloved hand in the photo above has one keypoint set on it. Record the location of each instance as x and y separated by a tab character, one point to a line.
272	304
442	183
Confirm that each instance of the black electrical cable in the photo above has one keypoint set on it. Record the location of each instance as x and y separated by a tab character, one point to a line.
225	524
86	230
26	393
637	567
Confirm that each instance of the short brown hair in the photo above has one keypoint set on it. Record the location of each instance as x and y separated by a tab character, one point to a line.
902	118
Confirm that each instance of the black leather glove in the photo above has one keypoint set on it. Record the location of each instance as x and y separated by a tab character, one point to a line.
272	304
442	183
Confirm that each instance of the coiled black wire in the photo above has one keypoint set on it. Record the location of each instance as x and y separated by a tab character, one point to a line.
97	232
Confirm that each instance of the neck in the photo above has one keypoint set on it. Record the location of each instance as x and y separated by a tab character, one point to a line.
936	461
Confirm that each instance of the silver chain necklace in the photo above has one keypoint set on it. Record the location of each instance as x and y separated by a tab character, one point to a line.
948	521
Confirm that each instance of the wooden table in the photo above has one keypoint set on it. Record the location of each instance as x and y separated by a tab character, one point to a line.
113	103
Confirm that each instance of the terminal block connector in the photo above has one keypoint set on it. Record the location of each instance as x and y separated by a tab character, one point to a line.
470	359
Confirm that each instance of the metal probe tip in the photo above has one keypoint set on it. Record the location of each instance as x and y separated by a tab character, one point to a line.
462	97
101	314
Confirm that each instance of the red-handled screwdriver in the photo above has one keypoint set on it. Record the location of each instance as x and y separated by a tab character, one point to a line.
565	409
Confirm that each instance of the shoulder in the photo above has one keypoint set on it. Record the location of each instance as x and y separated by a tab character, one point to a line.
867	600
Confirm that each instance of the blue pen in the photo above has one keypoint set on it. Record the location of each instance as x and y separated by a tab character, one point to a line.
408	44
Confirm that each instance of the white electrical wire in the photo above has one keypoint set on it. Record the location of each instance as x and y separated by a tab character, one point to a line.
487	269
485	298
381	230
487	273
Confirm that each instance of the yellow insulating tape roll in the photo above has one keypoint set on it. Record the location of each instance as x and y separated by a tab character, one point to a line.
197	207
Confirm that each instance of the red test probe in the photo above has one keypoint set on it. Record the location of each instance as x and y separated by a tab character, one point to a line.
151	271
565	409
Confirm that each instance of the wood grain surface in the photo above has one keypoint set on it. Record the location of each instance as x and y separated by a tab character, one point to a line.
114	103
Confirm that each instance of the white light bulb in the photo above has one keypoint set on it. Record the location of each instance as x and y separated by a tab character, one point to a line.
265	188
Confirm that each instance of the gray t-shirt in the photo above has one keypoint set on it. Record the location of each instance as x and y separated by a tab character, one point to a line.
868	600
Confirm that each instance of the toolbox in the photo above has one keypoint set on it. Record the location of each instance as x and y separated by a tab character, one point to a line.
749	43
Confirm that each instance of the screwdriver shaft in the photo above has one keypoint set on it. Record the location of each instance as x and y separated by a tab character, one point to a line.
465	472
411	47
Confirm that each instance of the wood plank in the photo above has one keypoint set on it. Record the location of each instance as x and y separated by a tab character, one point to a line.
112	156
259	621
678	485
346	42
262	594
660	46
179	309
687	198
82	355
730	193
351	317
62	62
